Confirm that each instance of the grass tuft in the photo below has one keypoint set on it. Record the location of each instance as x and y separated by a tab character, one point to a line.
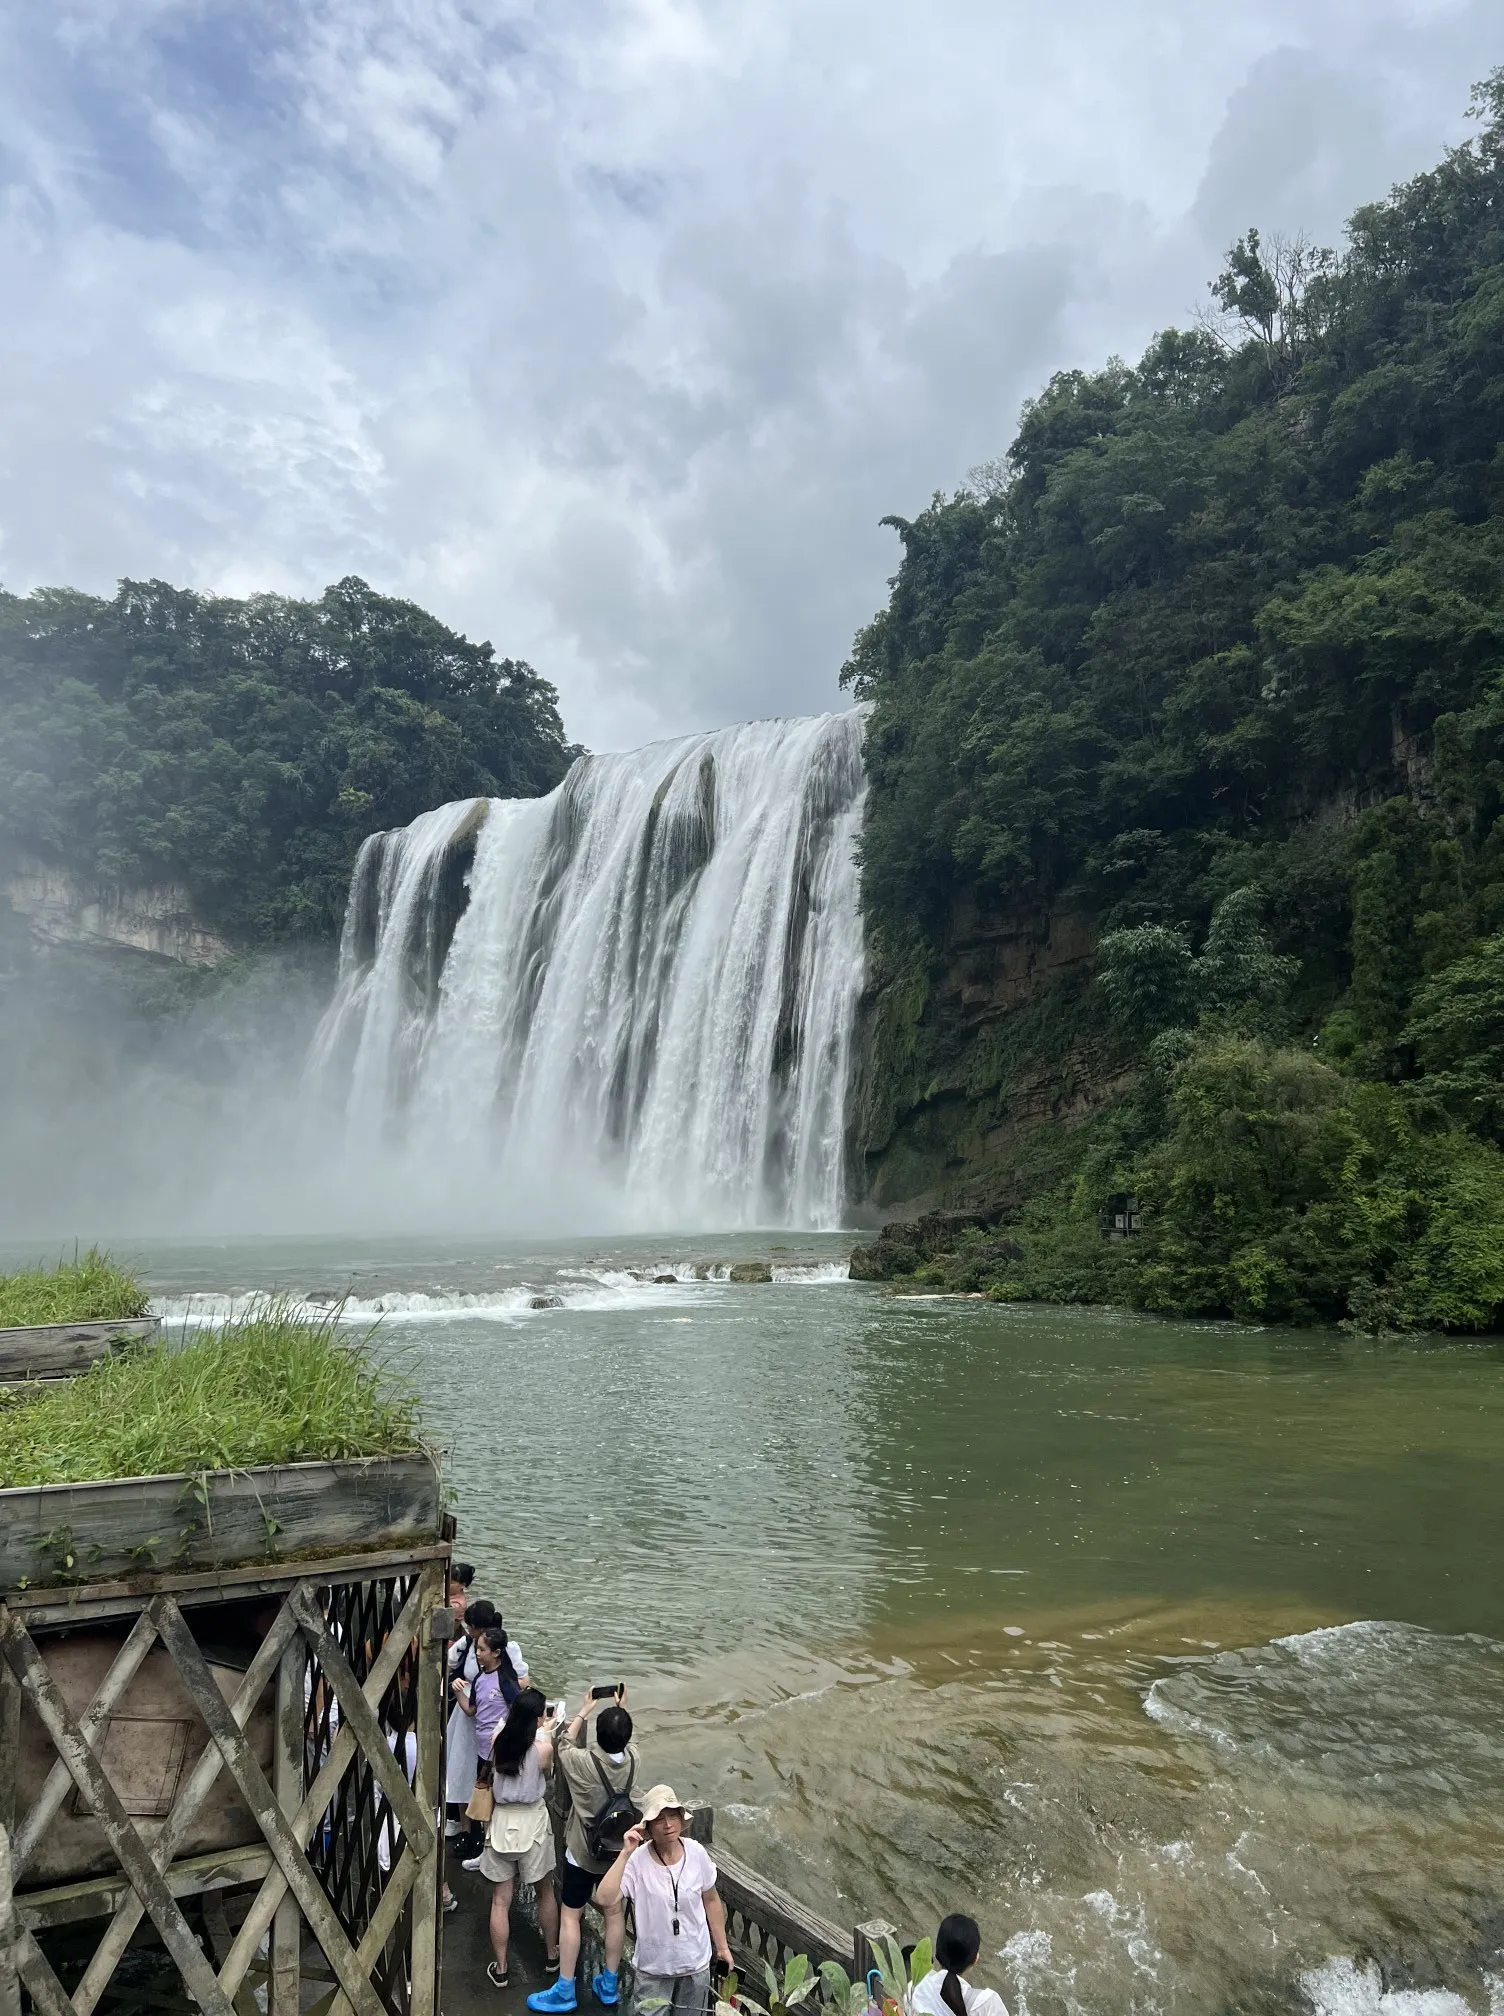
268	1386
89	1288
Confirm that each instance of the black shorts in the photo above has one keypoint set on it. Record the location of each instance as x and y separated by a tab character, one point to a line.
577	1887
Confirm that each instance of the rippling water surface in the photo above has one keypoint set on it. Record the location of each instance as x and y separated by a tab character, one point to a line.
1175	1652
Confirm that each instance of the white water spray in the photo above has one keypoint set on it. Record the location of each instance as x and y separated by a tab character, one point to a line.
646	1006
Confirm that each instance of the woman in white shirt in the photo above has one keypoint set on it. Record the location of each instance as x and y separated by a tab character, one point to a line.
681	1922
942	1992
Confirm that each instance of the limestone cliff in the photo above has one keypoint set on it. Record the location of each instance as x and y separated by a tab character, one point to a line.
62	910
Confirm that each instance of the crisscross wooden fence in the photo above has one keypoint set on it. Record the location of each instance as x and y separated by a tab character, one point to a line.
279	1819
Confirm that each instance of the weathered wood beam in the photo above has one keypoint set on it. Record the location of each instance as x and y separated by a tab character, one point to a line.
10	1984
321	1792
248	1775
52	1535
10	1743
174	1830
218	1928
383	1921
101	1896
358	1715
284	1990
425	1952
58	1782
96	1602
125	1843
60	1350
870	1938
47	1993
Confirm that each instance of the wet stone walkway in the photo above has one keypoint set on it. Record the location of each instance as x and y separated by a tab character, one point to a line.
467	1952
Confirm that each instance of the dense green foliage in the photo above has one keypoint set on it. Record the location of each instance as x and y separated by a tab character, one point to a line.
1219	646
244	749
89	1288
265	1387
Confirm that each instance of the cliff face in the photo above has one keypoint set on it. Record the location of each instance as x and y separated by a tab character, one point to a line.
62	910
979	1063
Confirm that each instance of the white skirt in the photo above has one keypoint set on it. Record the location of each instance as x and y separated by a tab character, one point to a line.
459	1771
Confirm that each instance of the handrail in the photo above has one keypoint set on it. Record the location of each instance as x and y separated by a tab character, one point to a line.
767	1924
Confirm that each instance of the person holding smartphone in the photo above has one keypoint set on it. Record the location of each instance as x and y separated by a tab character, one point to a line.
598	1762
681	1921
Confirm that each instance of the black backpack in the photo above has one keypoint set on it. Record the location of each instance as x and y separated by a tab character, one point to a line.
605	1832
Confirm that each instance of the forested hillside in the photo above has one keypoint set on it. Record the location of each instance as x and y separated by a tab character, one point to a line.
1184	866
244	749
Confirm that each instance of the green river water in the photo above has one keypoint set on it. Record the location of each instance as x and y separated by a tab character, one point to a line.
1174	1652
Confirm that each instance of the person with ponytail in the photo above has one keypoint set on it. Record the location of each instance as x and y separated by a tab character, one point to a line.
519	1840
943	1991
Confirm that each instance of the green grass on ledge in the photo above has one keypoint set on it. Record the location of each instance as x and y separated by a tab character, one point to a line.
89	1288
265	1387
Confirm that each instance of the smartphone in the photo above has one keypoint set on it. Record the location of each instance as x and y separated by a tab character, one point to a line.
606	1693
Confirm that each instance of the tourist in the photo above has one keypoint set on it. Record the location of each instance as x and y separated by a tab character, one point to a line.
461	1575
464	1667
598	1762
681	1922
519	1839
493	1692
942	1992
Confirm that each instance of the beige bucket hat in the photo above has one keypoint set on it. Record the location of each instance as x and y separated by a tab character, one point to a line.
660	1799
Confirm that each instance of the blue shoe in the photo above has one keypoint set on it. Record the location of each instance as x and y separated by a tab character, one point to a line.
604	1988
554	2001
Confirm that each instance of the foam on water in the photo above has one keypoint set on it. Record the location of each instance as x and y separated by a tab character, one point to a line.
1402	1712
591	1290
1344	1987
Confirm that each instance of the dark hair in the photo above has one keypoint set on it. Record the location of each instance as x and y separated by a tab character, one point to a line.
480	1614
613	1729
461	1572
518	1733
495	1640
957	1944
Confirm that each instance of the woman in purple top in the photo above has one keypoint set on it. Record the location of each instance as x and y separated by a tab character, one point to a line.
487	1698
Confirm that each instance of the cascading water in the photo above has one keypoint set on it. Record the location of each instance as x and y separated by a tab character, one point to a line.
645	1008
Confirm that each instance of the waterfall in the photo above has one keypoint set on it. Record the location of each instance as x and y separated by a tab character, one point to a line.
635	997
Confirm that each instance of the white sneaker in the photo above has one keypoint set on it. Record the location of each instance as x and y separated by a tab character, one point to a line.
472	1865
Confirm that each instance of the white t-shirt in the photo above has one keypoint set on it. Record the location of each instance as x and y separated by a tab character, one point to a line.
924	2000
660	1895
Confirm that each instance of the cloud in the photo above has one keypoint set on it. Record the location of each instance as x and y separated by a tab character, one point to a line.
610	331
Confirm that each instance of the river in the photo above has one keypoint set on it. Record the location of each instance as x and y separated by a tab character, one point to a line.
1175	1652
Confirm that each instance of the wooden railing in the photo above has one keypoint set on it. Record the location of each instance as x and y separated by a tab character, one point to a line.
764	1923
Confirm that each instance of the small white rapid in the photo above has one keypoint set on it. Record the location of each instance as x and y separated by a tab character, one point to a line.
635	998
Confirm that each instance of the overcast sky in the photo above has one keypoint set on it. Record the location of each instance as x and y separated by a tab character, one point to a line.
609	329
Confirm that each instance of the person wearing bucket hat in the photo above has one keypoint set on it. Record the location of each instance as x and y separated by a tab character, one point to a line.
681	1922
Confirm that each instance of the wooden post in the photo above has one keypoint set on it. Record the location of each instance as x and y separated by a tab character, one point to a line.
429	1790
287	1782
10	1749
27	1838
10	1987
867	1941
